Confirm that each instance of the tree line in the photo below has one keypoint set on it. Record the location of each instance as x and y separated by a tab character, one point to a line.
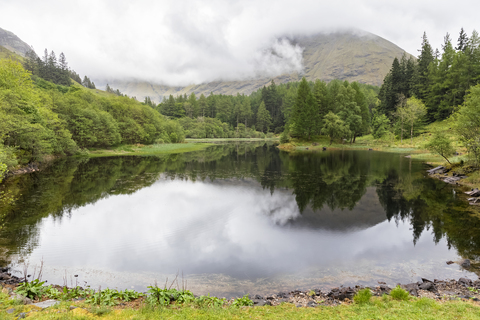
270	110
40	119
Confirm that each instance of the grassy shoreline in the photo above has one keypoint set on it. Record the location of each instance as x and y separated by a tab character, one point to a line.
362	307
147	150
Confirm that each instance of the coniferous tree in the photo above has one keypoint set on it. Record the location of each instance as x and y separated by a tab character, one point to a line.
264	120
462	43
303	118
424	60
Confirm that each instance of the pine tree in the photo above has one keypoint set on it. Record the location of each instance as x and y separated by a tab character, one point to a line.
304	114
264	120
462	41
424	60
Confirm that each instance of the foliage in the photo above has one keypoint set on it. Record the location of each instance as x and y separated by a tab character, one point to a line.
242	302
163	297
31	290
334	127
440	144
208	301
380	125
363	296
467	123
398	293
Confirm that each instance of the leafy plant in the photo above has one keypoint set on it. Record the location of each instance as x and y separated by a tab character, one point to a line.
158	296
31	289
399	294
474	290
208	301
242	302
129	295
363	296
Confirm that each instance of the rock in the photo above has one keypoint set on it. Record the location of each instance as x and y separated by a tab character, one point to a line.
72	307
465	263
258	302
341	293
370	149
22	315
324	148
474	193
10	311
451	180
268	303
428	286
46	304
311	304
438	169
465	282
258	297
283	295
385	289
307	148
318	292
21	299
412	288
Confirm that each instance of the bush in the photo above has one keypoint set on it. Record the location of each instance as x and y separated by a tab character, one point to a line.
270	135
159	141
242	302
284	137
399	294
362	296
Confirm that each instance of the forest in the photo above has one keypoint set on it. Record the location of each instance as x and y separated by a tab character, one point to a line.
48	110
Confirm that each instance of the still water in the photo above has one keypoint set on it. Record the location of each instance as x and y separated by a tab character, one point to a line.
238	218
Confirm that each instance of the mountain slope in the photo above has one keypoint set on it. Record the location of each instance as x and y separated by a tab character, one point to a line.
13	43
353	56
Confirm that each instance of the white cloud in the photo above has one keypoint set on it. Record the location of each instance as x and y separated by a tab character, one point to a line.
184	42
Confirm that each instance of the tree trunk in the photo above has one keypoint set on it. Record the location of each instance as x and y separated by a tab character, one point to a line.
411	134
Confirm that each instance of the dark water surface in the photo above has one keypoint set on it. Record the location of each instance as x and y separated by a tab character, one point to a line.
239	218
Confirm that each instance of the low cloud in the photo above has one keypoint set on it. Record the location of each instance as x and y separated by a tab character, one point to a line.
185	42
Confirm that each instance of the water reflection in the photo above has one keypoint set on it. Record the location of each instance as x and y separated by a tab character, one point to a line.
249	213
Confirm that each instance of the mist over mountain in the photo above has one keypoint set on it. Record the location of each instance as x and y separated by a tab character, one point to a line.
348	55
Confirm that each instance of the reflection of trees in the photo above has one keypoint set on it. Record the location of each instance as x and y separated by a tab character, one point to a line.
431	205
334	180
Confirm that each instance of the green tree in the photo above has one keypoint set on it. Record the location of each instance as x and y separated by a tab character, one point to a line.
467	123
334	127
415	111
264	120
303	116
440	144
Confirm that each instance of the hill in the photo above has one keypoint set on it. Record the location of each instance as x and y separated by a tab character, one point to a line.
350	55
13	43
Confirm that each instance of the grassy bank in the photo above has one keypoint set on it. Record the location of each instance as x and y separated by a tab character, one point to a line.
213	140
415	147
377	308
147	150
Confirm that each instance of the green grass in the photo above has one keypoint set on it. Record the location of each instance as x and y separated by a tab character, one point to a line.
415	146
231	139
145	150
377	308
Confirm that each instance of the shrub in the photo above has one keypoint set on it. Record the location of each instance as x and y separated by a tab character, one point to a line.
399	294
362	296
284	137
242	302
269	135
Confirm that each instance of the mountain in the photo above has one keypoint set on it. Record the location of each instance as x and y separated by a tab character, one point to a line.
350	55
13	43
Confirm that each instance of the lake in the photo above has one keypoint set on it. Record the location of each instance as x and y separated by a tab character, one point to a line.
238	218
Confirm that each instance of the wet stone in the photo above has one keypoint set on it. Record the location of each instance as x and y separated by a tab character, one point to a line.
46	304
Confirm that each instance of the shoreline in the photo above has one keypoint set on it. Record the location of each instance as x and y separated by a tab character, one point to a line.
436	289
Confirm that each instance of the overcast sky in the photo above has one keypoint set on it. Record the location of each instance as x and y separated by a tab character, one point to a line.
179	42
